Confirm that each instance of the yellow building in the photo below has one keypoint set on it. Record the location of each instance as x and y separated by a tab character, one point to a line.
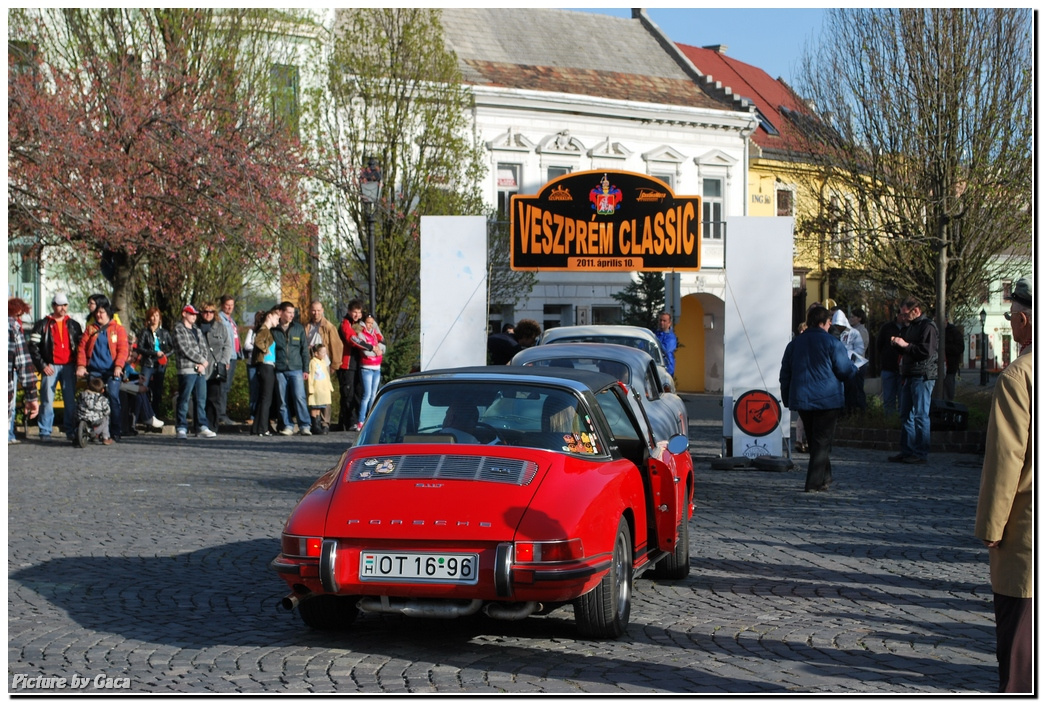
782	181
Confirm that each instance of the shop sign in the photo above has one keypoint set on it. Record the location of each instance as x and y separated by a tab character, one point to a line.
605	220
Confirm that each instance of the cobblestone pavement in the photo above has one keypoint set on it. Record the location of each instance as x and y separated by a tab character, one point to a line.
147	563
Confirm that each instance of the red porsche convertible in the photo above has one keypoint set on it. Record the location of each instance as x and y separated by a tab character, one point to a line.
508	491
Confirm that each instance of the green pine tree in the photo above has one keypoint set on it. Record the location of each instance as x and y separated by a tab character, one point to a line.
642	300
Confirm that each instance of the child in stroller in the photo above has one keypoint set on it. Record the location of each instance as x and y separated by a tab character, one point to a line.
92	413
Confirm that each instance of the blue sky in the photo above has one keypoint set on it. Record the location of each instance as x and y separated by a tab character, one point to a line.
773	39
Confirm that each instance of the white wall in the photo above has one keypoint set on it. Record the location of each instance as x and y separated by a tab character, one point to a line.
758	308
453	292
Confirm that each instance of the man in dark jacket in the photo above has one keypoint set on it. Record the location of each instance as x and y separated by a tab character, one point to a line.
349	372
918	370
889	363
292	358
52	345
953	348
814	370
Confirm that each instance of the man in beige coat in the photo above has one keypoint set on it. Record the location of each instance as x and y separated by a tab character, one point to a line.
1004	513
321	331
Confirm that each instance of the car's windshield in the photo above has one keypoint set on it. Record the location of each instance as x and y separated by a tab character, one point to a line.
644	344
612	368
473	412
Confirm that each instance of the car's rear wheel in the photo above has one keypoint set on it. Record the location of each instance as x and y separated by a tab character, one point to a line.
329	612
676	565
603	612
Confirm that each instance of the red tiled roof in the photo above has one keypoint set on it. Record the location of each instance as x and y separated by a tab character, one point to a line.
768	94
583	81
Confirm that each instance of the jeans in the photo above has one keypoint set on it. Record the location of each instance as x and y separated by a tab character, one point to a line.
915	399
225	390
890	391
154	378
188	384
293	380
66	376
820	433
254	389
370	380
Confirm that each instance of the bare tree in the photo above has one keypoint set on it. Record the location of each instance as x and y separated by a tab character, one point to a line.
925	135
392	100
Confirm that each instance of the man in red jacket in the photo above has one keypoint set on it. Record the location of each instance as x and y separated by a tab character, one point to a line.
52	345
103	352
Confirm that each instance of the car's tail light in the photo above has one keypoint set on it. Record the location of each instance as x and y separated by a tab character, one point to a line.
548	551
302	546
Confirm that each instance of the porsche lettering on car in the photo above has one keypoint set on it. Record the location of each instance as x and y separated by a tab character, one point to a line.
505	491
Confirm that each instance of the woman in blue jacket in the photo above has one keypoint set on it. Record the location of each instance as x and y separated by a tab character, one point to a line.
814	369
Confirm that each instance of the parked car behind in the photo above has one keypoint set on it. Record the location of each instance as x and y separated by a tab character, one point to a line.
624	335
635	368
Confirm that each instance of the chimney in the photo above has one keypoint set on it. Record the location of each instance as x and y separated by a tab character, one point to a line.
718	48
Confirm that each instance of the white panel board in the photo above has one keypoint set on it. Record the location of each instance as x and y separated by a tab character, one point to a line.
758	308
453	292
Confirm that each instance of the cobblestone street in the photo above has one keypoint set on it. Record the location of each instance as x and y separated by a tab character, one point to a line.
148	561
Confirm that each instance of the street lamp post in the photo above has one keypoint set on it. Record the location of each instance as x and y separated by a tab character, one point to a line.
983	347
370	192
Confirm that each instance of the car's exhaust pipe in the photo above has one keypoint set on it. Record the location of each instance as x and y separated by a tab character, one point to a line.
433	609
292	601
512	611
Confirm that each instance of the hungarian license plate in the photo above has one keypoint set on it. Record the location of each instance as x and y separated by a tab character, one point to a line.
423	567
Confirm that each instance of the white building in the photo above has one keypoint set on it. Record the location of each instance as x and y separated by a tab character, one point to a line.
557	92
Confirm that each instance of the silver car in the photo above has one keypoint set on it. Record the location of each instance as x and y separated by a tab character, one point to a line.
635	337
666	412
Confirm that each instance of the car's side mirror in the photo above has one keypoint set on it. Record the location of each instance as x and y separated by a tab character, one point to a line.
678	444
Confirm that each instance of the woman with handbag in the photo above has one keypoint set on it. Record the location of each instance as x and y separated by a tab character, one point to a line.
219	350
155	346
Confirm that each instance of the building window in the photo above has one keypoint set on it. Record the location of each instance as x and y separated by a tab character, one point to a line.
285	97
984	293
840	243
507	183
554	172
784	203
607	315
712	208
552	316
767	126
1006	290
664	177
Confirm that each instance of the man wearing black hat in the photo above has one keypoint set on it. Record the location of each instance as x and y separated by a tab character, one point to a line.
1004	512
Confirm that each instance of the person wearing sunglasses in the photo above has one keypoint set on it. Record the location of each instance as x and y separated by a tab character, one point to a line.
218	352
1004	510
